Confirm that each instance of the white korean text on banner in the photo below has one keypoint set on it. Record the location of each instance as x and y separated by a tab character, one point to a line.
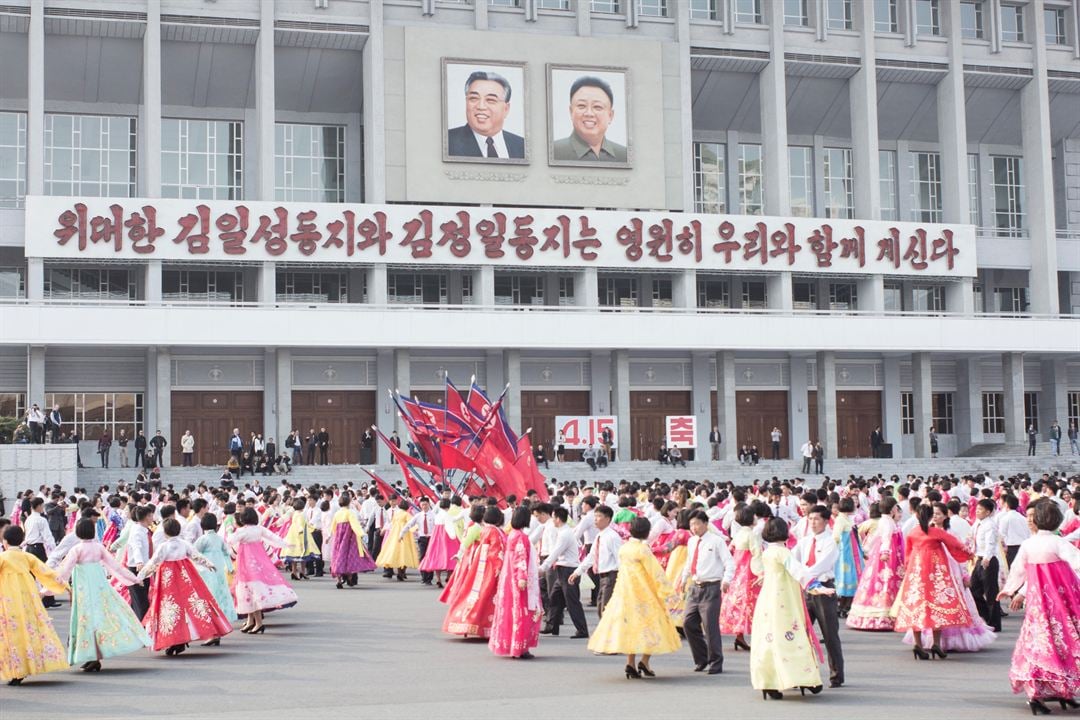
681	431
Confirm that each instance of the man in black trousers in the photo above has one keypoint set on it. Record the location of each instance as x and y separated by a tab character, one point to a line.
709	570
561	563
817	553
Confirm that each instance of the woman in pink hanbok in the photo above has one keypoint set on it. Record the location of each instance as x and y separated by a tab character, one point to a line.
737	604
516	625
1044	577
881	577
258	585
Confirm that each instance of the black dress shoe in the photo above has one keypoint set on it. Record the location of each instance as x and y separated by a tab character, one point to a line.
579	636
836	683
717	671
699	668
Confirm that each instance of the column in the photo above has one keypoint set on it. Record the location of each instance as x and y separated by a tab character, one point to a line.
512	375
1054	399
152	290
1037	173
150	397
620	403
922	402
862	90
890	406
960	296
35	117
496	373
374	80
552	285
773	91
377	293
686	100
270	396
35	278
725	404
35	375
871	292
402	381
150	122
356	284
264	102
386	416
480	15
163	390
267	282
484	286
826	403
586	288
952	124
798	430
600	383
967	410
778	291
701	403
283	358
583	11
1012	378
684	288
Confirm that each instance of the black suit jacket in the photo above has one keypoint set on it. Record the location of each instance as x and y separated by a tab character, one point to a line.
460	142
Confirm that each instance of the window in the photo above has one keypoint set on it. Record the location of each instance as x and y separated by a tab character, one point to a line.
801	180
12	284
1010	300
928	298
894	297
993	413
804	294
926	187
309	162
751	200
606	6
515	289
90	284
652	8
942	410
566	290
887	174
553	4
202	159
885	16
838	14
1072	400
90	414
973	189
710	178
618	291
12	405
209	286
843	296
713	293
703	9
907	413
1012	23
839	184
1054	24
312	287
466	288
754	294
504	3
795	14
91	155
748	11
1008	195
971	20
12	159
421	289
927	17
1031	410
661	293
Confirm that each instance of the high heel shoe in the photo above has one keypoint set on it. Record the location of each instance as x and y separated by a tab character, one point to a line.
632	673
15	681
212	643
936	651
920	654
815	690
772	695
742	645
257	631
647	672
1037	708
340	584
92	666
1068	703
294	576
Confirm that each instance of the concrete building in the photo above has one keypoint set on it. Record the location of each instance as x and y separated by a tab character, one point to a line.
213	214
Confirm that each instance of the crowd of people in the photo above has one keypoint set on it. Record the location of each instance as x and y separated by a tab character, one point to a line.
929	559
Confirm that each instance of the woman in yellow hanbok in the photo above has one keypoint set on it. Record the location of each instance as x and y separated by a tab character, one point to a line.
636	619
399	549
301	547
785	652
28	643
677	559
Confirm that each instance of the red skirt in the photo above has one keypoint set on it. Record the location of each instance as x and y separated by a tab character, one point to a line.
182	608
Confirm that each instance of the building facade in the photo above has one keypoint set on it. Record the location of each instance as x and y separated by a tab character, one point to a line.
824	216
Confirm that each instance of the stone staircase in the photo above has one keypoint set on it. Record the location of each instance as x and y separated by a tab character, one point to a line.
996	450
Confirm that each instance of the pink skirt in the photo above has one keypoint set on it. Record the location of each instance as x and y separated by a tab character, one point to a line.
441	552
1046	661
738	603
258	585
967	639
878	587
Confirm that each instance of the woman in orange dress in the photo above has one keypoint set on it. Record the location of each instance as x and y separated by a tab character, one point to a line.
472	598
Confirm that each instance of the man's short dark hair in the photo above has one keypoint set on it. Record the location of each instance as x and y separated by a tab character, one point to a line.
591	81
493	77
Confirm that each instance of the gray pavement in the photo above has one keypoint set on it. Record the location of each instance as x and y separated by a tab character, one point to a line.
376	651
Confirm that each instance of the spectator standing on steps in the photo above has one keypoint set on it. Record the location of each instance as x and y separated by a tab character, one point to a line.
159	443
367	442
1074	439
775	436
807	451
104	445
1033	438
140	449
312	442
1055	439
236	444
819	458
187	449
877	439
324	446
714	442
122	443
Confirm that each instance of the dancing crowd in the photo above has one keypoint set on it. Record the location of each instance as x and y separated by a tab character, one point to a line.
930	559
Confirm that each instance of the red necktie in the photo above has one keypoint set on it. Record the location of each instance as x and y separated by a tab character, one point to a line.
812	560
693	560
596	557
425	524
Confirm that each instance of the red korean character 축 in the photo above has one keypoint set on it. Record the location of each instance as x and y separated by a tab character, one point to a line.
524	239
195	231
142	230
681	430
232	230
418	235
457	233
492	232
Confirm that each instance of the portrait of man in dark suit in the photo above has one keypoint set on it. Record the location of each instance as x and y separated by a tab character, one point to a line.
488	97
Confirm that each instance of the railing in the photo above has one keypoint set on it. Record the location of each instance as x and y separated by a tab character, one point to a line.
996	232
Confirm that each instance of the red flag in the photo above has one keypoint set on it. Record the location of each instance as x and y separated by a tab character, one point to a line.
454	459
383	486
526	467
405	459
499	470
472	488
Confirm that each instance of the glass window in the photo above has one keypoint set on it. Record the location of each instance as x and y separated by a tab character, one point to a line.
212	286
312	287
553	4
710	178
504	3
795	13
894	297
1031	411
618	292
661	293
887	173
928	298
703	9
926	187
653	8
927	17
804	294
971	20
907	413
516	289
751	192
12	159
755	294
1008	195
838	14
843	296
1054	24
566	290
1010	299
89	155
606	6
942	412
839	184
748	11
310	162
420	289
12	405
12	283
801	180
1073	401
973	188
202	159
91	413
993	413
1012	23
90	284
885	16
713	293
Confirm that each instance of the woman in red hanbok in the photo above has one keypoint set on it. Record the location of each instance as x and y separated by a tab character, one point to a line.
737	604
931	597
472	596
880	581
182	608
516	627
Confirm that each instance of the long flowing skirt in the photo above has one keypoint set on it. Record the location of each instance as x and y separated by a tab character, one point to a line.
970	638
345	557
472	601
258	585
182	609
635	620
441	553
1046	661
28	643
849	566
102	624
737	605
880	583
676	602
930	596
515	629
218	585
398	552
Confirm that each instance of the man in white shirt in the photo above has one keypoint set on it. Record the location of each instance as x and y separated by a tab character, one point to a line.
585	533
39	540
1013	528
603	557
817	553
424	522
140	548
807	451
191	525
559	566
710	570
958	526
984	578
